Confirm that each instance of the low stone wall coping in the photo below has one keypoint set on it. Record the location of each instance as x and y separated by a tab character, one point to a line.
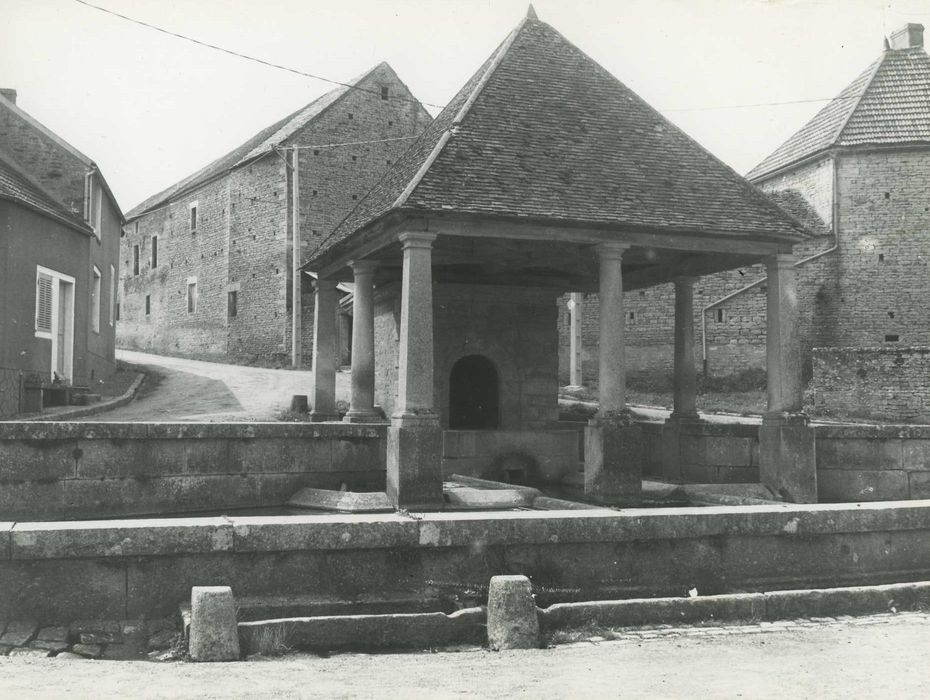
36	430
127	538
871	432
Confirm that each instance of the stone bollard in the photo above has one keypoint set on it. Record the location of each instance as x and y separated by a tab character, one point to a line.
512	621
214	633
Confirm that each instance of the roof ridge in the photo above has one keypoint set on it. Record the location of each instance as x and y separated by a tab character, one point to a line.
462	113
855	105
19	111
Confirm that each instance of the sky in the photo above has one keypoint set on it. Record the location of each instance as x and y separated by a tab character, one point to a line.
151	109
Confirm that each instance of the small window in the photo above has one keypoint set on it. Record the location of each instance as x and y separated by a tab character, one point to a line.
642	295
721	316
350	115
385	92
354	158
154	252
881	257
316	152
43	303
112	295
232	307
893	338
148	305
135	259
632	317
191	297
193	217
117	311
95	301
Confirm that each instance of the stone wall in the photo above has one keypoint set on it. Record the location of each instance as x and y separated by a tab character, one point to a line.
56	573
55	471
891	383
514	328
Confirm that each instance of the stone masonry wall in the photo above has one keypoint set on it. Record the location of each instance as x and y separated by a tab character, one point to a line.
888	382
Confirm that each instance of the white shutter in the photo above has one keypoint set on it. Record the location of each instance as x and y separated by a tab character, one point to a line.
43	303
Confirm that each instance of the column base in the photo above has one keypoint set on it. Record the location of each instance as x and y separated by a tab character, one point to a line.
613	468
363	416
317	417
675	427
787	457
414	462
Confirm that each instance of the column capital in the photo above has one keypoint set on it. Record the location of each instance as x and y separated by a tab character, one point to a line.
416	239
363	266
613	250
325	284
781	260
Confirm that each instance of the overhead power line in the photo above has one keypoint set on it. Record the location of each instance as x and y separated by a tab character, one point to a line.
410	99
247	57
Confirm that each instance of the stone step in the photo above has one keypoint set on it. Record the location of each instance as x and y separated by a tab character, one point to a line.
252	608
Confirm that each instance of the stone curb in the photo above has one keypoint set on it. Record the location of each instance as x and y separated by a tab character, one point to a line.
745	607
96	408
364	632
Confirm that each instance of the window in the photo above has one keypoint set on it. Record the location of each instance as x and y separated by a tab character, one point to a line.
721	316
95	301
232	304
112	295
43	304
384	92
135	260
193	217
93	202
148	305
117	311
154	252
191	295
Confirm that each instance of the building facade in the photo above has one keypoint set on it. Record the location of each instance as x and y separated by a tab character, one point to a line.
858	176
209	263
59	258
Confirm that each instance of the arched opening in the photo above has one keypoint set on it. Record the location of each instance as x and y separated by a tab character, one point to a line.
474	395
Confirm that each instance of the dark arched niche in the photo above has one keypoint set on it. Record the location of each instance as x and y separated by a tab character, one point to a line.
474	394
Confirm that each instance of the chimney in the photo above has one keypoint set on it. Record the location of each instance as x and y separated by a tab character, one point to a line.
9	94
910	36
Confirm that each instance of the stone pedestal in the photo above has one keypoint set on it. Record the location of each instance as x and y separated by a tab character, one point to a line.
787	457
512	619
414	462
674	447
214	634
613	468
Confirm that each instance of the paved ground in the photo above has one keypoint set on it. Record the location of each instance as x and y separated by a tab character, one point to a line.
879	657
207	391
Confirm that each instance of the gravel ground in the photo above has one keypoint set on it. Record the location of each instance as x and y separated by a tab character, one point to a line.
878	657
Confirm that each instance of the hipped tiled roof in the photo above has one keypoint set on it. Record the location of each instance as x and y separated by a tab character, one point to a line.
260	144
889	103
541	131
16	186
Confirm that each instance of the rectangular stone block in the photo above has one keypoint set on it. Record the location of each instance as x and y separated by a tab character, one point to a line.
62	590
918	484
728	451
457	444
915	455
37	460
362	531
851	453
279	455
356	455
788	459
846	485
414	467
120	538
613	461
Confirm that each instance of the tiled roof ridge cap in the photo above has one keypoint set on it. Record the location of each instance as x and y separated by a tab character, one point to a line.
858	100
462	113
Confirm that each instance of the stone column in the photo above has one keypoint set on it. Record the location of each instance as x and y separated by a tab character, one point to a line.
576	348
324	352
362	404
685	381
683	423
787	461
613	444
414	449
611	351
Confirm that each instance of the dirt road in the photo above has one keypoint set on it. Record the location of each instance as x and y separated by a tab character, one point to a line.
192	390
882	659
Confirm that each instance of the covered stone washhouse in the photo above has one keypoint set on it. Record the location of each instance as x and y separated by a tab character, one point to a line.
543	175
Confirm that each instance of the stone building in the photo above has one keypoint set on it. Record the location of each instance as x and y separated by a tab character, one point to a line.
59	258
857	176
543	174
208	264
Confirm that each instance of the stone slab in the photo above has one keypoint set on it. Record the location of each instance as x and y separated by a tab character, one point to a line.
30	652
341	501
323	532
19	632
53	634
120	538
485	499
89	651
